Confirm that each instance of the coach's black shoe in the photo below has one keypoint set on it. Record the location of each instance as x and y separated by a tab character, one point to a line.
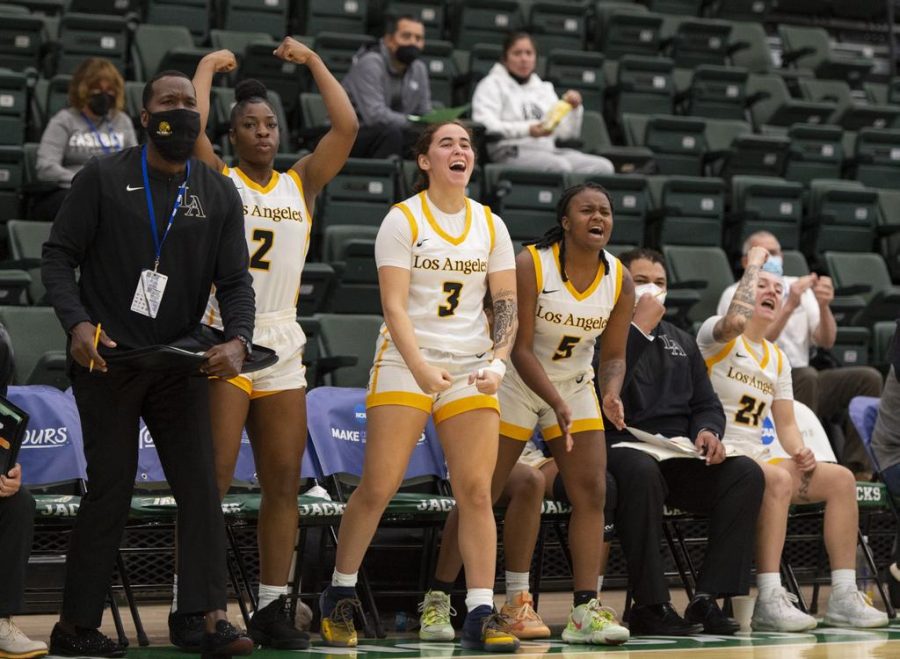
891	574
186	631
705	610
83	643
273	627
226	641
659	620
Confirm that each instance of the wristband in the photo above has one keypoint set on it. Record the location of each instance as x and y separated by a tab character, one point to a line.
498	366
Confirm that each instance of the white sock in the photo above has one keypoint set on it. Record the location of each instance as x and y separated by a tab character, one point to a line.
843	580
175	594
599	584
767	582
344	580
516	582
476	597
268	594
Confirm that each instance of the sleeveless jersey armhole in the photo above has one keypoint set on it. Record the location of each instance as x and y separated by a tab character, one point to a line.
719	356
413	225
295	177
490	224
538	268
619	275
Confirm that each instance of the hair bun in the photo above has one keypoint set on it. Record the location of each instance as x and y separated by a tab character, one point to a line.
250	88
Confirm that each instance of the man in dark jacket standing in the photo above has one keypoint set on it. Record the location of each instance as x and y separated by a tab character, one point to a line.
152	230
667	391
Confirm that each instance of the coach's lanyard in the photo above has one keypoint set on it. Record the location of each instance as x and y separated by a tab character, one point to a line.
112	139
157	241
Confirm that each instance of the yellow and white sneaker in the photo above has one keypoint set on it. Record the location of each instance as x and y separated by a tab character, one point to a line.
337	628
15	645
521	620
434	623
594	624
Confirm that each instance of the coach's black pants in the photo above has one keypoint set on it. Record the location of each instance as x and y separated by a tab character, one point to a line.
176	411
16	533
729	493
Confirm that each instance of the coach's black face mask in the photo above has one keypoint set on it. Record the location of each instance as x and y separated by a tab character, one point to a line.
173	133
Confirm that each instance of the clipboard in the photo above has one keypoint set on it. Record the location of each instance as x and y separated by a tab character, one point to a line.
13	422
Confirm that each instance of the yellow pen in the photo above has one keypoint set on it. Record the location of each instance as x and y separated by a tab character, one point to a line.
96	343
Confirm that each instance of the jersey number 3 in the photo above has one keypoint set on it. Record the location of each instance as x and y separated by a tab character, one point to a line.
566	346
452	290
750	411
266	239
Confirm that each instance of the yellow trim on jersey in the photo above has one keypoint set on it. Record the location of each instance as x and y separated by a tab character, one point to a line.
309	216
590	289
719	356
538	268
402	398
515	432
253	185
580	425
413	225
378	364
619	276
780	358
490	223
225	170
437	227
765	358
241	383
466	404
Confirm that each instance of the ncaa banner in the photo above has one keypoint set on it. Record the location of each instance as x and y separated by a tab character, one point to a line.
811	430
150	469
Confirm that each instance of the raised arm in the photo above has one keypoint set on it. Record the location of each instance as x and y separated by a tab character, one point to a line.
611	370
319	167
219	61
731	325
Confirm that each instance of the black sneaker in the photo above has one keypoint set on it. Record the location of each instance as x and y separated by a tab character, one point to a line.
705	610
226	640
659	620
893	587
186	631
273	626
83	642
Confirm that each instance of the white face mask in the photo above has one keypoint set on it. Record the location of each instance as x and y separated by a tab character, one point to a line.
652	289
777	260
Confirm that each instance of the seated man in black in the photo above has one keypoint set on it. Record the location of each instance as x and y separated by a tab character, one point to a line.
667	391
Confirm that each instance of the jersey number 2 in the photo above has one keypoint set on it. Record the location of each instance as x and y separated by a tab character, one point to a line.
750	411
267	239
453	290
566	346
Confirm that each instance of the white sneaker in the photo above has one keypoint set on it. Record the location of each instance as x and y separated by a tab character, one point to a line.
15	645
777	613
434	623
594	624
852	608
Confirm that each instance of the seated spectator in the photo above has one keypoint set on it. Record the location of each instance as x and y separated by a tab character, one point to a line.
667	391
752	376
94	124
386	84
513	103
805	321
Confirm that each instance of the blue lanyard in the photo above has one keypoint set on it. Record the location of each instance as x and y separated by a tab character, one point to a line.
96	133
157	241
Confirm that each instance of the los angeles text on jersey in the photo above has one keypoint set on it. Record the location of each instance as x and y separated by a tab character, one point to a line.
587	323
276	214
446	264
751	381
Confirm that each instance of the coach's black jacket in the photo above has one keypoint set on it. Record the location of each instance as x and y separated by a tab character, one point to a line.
667	389
103	227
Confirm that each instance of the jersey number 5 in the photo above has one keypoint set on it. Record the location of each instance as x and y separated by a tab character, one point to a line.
453	290
750	411
566	346
267	239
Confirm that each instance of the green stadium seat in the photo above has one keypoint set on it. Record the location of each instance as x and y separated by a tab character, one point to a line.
735	150
112	7
882	336
186	59
361	193
765	203
350	334
485	21
13	107
740	10
237	41
626	159
442	71
40	345
12	170
869	272
705	270
336	238
631	202
91	35
285	160
809	48
842	216
316	285
558	24
678	143
627	29
815	152
776	107
642	84
851	346
688	211
329	16
357	282
889	229
337	50
152	42
269	16
849	113
876	158
676	7
192	14
22	38
805	7
872	11
314	113
716	92
286	78
26	240
795	264
579	70
694	41
748	47
430	12
57	94
480	59
524	198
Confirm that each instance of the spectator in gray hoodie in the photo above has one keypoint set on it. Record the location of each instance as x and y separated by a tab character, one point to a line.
94	124
386	84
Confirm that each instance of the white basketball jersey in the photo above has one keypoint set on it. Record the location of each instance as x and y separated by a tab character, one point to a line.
449	278
277	225
567	323
748	377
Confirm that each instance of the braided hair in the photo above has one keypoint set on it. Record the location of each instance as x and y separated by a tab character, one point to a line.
556	233
246	92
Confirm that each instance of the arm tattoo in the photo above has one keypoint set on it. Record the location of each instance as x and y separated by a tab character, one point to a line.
741	308
504	305
805	479
611	375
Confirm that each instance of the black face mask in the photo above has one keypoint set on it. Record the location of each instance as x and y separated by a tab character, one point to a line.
173	133
101	103
407	54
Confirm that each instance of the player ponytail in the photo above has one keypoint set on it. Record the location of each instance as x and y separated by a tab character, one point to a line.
556	233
